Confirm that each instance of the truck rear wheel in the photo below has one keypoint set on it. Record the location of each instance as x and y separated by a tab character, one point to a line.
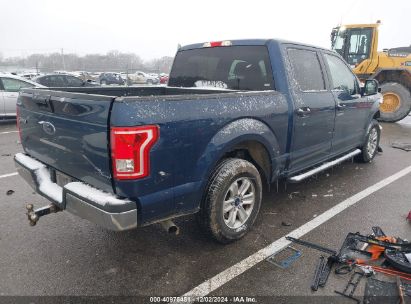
397	102
232	201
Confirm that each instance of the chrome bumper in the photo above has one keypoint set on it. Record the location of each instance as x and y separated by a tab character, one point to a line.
78	198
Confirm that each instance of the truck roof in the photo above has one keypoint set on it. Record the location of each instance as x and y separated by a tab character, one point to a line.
238	42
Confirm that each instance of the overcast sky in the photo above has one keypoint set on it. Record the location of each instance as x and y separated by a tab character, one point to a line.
154	28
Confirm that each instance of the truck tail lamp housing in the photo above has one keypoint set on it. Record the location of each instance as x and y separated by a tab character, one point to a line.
130	150
217	43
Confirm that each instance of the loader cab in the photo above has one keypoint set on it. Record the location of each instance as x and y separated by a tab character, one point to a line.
354	43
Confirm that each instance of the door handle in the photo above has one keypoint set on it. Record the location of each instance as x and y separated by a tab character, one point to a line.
341	106
303	111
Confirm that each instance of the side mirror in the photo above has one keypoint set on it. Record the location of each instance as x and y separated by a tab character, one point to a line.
370	87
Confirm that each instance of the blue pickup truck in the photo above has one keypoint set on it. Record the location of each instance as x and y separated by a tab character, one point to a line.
235	116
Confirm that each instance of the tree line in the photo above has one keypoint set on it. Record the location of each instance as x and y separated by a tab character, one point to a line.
114	61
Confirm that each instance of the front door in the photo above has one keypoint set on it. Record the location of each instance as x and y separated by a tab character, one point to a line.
352	108
314	110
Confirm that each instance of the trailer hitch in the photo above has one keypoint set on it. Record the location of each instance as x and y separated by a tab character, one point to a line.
34	215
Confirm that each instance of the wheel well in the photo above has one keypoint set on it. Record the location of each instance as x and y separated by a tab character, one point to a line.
256	153
377	115
400	76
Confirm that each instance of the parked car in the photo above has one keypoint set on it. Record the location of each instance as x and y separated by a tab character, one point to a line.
164	78
29	75
111	78
10	86
63	80
205	144
83	75
143	78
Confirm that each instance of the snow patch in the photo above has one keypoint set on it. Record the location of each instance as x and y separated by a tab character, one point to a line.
93	194
47	187
28	162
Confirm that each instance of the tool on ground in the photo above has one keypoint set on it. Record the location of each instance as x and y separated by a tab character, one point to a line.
321	272
312	245
326	270
402	146
378	292
377	231
352	284
401	246
390	272
344	269
400	291
288	261
398	260
317	274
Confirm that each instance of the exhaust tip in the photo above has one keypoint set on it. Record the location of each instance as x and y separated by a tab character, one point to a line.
170	227
173	230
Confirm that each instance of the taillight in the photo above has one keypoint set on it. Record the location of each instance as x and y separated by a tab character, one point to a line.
130	150
18	121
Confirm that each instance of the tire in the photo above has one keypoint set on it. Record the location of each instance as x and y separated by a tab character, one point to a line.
227	181
397	102
371	143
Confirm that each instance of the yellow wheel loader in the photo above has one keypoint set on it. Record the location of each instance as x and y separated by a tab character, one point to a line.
357	44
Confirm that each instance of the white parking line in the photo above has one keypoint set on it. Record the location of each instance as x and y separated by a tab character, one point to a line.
8	175
8	132
230	273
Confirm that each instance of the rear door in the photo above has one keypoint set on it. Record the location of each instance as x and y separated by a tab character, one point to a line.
314	109
352	108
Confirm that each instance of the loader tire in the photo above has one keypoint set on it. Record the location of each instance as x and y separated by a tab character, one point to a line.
397	102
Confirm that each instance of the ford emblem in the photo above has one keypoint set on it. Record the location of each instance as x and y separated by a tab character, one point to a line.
48	127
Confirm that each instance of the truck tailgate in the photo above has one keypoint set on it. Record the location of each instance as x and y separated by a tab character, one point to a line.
68	132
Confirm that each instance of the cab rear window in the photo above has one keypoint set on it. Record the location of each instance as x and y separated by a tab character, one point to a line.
234	67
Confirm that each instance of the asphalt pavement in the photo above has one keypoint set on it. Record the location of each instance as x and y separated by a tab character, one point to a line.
67	256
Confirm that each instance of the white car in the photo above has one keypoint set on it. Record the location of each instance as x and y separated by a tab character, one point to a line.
141	77
10	86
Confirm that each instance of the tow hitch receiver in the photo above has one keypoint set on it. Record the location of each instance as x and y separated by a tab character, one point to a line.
34	215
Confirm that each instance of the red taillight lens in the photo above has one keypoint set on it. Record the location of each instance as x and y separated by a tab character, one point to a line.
130	150
18	121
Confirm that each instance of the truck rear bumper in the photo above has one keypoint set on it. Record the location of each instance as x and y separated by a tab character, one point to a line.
78	198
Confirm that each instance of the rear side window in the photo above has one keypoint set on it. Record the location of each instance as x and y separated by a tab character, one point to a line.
14	85
55	81
233	67
307	69
73	81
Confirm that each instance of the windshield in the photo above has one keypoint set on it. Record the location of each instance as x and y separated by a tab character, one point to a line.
234	67
354	45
